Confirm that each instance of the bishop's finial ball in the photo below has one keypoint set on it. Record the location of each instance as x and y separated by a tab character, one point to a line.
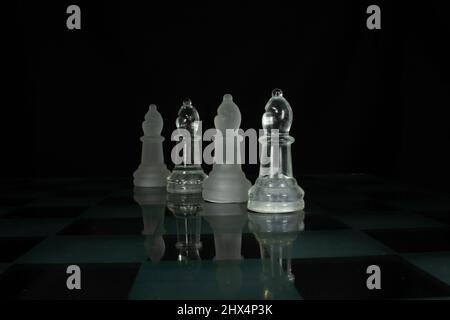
277	93
187	102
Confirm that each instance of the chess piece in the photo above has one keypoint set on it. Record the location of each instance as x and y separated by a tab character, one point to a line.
276	190
152	202
186	209
276	234
152	171
188	176
226	182
227	222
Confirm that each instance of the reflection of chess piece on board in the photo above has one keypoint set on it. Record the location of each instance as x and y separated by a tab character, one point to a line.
226	182
188	176
186	209
152	202
227	222
276	189
276	234
152	171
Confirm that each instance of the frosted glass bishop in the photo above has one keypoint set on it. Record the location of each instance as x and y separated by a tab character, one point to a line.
188	176
152	171
227	182
276	189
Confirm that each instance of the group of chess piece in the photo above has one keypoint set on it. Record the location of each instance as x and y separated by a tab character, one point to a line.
275	190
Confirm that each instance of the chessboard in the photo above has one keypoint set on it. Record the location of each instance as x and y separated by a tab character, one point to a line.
351	221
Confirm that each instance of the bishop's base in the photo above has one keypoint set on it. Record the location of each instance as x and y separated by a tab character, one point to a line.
186	180
151	176
275	207
275	195
226	186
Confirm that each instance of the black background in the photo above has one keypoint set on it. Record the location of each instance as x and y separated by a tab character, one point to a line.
372	101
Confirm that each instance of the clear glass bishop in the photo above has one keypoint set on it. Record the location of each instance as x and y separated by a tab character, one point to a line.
276	189
188	176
